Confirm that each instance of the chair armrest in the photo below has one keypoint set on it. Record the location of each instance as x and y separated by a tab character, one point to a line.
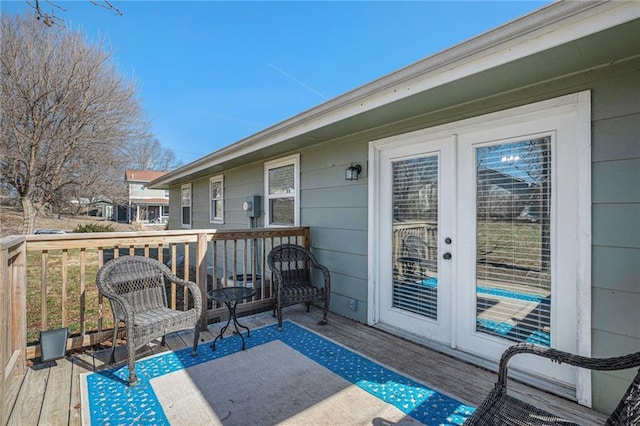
602	364
326	276
193	288
324	269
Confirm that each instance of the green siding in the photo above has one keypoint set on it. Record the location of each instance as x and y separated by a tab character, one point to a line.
616	181
612	390
200	204
616	138
341	240
616	268
615	225
616	312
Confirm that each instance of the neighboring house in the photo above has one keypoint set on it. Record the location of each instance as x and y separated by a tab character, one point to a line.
146	205
544	110
101	207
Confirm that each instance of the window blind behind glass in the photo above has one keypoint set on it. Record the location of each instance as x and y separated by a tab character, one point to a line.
513	202
415	211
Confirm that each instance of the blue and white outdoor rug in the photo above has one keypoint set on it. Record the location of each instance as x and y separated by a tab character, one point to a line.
290	377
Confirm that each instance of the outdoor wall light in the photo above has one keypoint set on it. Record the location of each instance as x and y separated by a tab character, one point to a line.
352	172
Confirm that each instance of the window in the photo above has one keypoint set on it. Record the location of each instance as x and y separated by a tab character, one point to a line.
282	189
185	202
216	207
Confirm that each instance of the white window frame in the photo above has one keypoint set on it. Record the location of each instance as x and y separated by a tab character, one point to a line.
281	162
212	214
182	206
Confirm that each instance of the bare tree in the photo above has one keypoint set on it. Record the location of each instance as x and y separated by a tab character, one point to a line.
148	154
66	114
49	17
99	182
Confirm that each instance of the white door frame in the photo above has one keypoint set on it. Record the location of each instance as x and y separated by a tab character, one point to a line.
578	104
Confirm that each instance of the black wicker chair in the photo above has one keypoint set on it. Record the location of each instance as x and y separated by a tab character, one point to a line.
499	408
135	286
292	266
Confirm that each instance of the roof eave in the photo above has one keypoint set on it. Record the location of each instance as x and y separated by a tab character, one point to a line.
543	29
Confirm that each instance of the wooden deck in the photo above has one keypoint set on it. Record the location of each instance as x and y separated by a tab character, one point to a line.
49	394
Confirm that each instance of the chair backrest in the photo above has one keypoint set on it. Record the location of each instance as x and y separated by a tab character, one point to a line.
292	264
136	279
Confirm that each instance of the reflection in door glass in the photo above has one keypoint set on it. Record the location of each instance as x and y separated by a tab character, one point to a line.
415	235
513	278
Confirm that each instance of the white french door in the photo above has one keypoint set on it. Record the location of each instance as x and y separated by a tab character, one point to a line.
417	213
481	235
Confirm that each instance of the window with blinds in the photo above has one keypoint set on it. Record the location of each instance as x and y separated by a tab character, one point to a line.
415	213
281	195
513	278
282	192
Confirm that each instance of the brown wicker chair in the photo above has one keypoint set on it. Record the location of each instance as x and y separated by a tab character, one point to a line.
502	409
292	267
135	287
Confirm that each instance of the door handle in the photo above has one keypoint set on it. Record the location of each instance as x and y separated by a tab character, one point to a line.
446	256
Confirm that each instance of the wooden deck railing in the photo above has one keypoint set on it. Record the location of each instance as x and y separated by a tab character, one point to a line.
13	342
48	281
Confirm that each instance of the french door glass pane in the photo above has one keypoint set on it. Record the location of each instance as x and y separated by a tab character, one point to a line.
415	235
513	202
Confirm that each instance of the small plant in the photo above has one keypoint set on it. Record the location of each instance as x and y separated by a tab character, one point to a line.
93	227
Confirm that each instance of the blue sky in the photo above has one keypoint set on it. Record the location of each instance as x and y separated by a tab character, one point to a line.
210	73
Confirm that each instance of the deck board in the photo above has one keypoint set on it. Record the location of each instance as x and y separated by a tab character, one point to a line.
51	395
30	397
75	402
12	394
57	394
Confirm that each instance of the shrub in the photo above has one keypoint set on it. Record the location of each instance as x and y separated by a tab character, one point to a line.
93	227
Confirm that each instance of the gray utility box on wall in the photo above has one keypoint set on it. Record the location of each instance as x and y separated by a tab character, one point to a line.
252	206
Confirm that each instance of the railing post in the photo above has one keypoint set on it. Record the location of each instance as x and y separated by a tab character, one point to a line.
13	307
202	279
19	308
306	238
4	318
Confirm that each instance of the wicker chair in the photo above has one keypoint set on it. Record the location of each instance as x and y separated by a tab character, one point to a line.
502	409
135	287
292	267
